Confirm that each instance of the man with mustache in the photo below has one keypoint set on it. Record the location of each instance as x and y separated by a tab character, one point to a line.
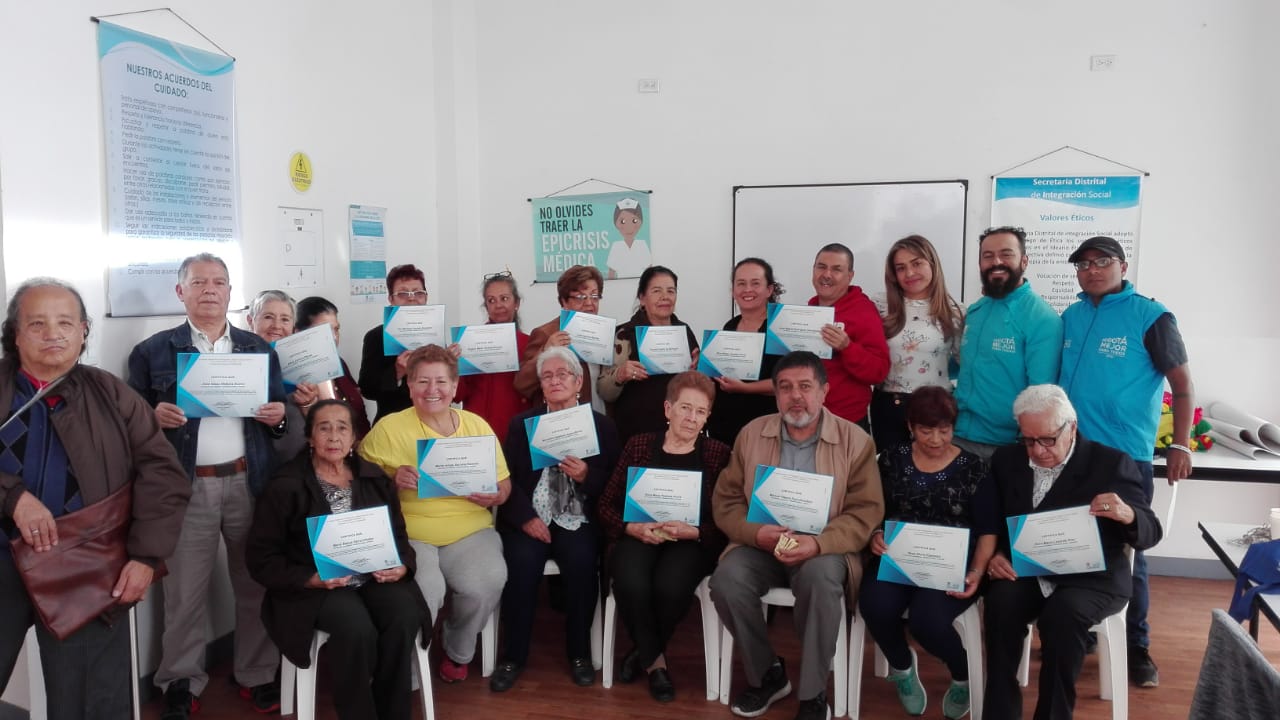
859	353
823	570
1012	340
228	461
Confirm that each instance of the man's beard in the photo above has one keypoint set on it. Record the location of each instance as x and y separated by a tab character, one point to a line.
799	419
1000	288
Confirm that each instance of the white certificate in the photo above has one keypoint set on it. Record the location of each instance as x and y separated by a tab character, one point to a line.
222	384
798	501
591	336
731	354
353	543
408	327
927	556
798	327
310	356
663	349
658	495
487	348
1056	542
556	435
457	466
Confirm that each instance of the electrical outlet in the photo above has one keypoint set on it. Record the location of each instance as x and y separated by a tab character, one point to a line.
647	85
1102	63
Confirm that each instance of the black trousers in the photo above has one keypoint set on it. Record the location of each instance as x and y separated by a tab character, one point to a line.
577	554
1063	619
371	629
654	585
86	675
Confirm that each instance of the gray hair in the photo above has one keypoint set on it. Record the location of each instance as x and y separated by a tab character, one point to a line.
9	330
1044	398
267	296
562	353
185	267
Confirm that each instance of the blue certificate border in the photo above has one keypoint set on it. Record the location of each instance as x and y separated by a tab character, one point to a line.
756	510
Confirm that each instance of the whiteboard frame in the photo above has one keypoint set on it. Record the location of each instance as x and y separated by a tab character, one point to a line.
869	269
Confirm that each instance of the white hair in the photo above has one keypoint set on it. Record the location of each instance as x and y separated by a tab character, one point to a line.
1044	398
266	296
562	353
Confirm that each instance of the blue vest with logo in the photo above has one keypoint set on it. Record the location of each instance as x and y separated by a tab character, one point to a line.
1108	373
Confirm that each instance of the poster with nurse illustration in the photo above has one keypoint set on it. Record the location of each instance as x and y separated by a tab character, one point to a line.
607	230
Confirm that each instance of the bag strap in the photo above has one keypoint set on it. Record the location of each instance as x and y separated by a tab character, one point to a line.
35	399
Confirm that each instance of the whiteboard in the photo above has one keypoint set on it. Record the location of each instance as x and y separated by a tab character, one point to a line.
786	224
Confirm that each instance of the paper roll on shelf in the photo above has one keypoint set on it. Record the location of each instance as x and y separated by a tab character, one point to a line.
1246	427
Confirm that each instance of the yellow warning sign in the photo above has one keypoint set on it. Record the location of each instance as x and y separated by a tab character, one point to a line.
300	171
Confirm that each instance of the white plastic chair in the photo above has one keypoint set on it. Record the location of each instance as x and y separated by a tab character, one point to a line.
35	672
783	597
710	638
1113	659
305	680
969	625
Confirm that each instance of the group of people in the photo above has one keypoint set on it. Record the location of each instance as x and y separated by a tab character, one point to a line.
1002	410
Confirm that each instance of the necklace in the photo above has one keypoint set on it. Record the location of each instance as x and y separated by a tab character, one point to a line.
453	420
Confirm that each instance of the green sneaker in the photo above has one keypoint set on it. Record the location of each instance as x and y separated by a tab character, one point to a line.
910	690
955	704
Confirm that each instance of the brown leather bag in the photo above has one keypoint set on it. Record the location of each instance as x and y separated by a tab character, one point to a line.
71	584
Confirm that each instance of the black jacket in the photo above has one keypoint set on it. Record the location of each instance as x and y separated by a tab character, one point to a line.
278	552
1093	468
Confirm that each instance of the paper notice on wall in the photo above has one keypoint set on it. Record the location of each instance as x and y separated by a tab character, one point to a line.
1061	212
367	226
168	113
301	233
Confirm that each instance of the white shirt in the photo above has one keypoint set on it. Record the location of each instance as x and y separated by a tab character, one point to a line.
628	262
221	439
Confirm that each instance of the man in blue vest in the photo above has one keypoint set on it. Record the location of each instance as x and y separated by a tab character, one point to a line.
1118	350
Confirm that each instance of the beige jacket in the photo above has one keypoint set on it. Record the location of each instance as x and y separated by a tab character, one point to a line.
844	451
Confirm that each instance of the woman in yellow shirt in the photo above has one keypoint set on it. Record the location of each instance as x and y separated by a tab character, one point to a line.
458	551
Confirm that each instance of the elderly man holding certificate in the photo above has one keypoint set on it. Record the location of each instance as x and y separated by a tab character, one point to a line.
778	464
1070	503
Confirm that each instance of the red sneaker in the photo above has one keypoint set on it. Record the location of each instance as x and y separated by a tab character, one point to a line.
450	671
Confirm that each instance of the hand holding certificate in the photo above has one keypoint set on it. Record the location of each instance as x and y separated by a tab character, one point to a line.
556	435
222	384
927	556
658	495
1056	542
591	336
408	327
486	348
352	543
461	466
726	353
799	501
798	327
310	356
663	349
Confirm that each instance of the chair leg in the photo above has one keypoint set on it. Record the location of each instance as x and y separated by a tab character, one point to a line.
423	668
133	662
306	679
969	625
35	676
489	645
608	640
726	663
710	638
881	668
840	667
597	639
288	685
1024	667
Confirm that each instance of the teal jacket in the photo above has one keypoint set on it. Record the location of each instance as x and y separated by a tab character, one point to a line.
1009	344
1108	373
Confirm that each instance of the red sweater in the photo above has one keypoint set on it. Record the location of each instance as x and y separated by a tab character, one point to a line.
864	363
494	397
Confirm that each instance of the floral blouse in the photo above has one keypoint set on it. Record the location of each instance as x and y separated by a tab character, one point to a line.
919	354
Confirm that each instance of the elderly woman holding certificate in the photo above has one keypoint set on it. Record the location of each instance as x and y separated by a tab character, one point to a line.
552	515
450	530
928	481
372	618
656	566
648	349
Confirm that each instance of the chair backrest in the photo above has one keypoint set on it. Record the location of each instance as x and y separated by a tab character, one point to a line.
1236	681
